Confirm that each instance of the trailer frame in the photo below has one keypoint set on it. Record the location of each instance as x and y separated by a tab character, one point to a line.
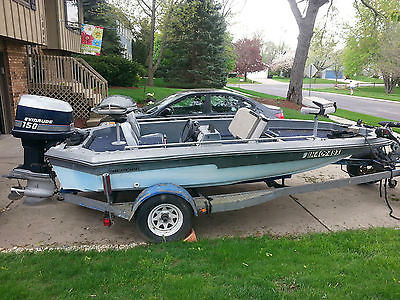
220	203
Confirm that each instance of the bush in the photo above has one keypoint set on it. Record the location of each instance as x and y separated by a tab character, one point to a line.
118	71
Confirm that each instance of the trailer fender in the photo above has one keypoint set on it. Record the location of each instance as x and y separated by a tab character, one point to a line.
163	188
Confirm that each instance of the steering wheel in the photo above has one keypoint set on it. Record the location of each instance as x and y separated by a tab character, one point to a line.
189	131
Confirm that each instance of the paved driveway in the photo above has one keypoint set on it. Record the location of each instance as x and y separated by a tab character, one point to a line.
57	223
374	107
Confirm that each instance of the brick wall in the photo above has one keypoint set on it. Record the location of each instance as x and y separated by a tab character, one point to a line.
16	57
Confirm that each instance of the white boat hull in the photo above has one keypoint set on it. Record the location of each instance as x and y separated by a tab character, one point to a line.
191	176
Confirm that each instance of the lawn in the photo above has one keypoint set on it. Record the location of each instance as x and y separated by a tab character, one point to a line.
139	94
367	79
367	119
305	80
365	91
345	265
237	80
256	94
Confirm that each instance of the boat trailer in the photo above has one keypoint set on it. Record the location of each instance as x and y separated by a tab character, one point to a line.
202	204
220	203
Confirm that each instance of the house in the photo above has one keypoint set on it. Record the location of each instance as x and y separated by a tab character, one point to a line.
331	74
37	38
125	38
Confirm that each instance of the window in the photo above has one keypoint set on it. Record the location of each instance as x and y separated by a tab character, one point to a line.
189	106
227	104
72	14
28	3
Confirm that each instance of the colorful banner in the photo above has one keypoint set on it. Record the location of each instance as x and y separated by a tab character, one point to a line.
91	39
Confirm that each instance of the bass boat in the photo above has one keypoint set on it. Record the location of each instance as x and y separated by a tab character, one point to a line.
163	162
186	152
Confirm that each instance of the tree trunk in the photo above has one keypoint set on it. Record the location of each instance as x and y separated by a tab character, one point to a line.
297	73
390	83
150	58
306	28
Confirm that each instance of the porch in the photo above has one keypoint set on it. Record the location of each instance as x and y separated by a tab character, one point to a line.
70	79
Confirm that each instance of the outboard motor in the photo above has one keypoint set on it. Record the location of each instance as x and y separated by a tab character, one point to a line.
40	123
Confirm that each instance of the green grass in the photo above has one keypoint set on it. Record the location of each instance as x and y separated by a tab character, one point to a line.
305	80
345	265
236	80
367	79
377	92
257	94
139	94
161	89
367	119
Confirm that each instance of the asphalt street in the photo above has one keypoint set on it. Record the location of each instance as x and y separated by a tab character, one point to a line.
370	106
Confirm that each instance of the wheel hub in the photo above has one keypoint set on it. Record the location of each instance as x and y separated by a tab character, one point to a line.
165	219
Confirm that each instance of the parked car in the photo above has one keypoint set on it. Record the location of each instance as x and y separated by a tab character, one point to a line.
205	102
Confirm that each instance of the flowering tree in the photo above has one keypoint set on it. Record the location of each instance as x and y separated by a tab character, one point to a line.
249	56
283	63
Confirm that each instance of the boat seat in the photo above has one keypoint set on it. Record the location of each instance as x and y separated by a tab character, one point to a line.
247	124
137	138
102	140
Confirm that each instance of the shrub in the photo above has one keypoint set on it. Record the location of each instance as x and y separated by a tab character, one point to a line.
118	71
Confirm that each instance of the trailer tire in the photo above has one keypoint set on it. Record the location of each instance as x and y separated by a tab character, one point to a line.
164	218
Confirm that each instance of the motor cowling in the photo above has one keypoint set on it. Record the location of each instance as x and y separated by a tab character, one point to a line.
41	122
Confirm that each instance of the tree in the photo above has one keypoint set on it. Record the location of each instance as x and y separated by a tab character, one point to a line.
336	63
283	63
229	53
305	23
159	12
368	47
270	51
249	56
140	42
100	13
196	45
323	44
388	59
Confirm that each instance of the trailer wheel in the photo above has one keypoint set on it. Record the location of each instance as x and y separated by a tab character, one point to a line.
164	217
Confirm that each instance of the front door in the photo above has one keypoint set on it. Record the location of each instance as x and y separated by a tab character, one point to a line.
5	113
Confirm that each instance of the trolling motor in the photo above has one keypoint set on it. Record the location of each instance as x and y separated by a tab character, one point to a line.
40	123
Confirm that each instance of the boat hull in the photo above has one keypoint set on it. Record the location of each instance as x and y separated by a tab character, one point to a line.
191	176
197	169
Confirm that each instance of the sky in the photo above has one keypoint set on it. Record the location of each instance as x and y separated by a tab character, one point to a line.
274	20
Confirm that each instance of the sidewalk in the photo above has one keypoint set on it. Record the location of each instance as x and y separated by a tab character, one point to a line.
57	223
